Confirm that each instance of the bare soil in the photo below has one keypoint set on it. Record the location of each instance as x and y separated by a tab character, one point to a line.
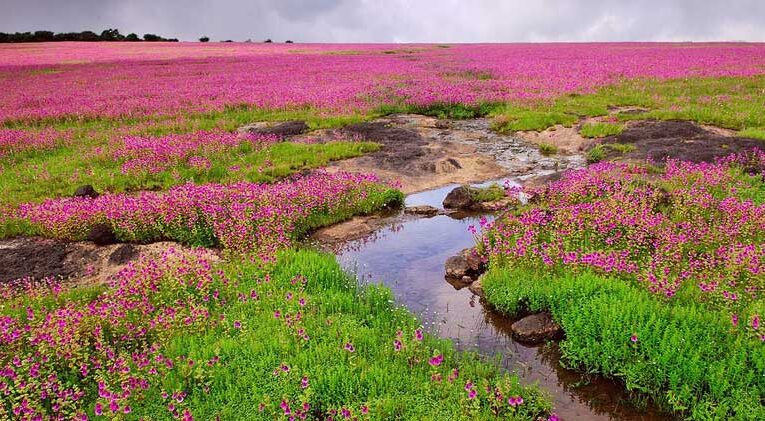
82	262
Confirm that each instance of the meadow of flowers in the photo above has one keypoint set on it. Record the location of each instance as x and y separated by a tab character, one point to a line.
240	217
94	80
182	338
656	275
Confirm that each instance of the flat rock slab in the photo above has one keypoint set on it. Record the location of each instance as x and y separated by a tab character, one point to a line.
424	210
287	128
536	328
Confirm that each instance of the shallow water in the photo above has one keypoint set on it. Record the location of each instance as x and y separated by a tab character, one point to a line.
408	256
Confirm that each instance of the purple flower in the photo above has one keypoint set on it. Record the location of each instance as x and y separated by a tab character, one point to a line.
418	334
237	324
304	382
349	347
436	361
514	401
633	338
397	345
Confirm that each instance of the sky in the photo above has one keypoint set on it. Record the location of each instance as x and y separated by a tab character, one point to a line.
399	20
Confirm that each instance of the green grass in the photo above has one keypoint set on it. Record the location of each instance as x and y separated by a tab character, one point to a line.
598	130
58	173
621	148
394	385
596	154
686	357
548	149
753	132
491	193
729	102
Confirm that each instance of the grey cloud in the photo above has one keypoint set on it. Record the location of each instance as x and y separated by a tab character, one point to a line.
401	20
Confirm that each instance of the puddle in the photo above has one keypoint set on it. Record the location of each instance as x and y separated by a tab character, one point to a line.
408	255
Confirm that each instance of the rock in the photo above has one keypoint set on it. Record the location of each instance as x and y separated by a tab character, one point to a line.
459	198
287	128
494	206
476	288
536	328
102	234
123	254
456	267
424	210
86	191
474	260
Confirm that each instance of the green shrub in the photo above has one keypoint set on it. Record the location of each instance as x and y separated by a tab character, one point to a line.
598	130
596	154
684	356
547	149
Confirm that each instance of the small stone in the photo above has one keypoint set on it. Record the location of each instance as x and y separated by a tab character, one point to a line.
459	198
102	234
424	210
86	191
536	328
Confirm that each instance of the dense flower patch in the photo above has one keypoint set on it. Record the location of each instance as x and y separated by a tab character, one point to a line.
155	154
139	347
89	79
241	217
14	141
693	228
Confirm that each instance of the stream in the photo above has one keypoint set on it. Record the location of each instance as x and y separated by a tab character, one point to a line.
408	253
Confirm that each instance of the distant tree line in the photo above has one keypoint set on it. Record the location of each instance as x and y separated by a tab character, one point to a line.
90	36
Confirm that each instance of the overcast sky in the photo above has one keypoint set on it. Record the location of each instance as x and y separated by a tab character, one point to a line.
400	20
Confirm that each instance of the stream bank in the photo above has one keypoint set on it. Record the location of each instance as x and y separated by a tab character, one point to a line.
407	254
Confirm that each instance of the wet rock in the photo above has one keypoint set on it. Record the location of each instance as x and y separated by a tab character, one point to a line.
424	210
456	267
477	288
123	254
474	260
494	206
102	235
459	198
287	128
467	264
86	191
536	328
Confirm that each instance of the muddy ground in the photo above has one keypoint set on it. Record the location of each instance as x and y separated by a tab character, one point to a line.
82	261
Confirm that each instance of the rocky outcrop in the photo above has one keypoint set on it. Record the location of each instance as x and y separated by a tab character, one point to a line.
287	128
86	191
536	328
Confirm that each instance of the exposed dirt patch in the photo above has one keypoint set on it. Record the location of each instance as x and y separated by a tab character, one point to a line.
566	139
659	140
416	153
82	262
